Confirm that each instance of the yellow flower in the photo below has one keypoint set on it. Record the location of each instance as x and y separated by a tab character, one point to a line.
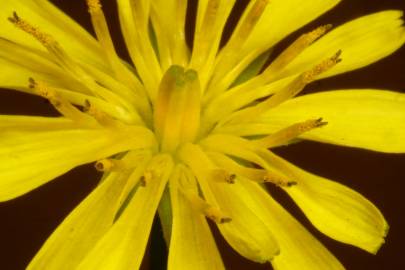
191	129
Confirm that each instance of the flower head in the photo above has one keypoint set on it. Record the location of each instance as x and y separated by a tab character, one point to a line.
192	128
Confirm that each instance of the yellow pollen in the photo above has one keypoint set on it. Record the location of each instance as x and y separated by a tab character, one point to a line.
71	66
204	35
249	22
277	179
289	54
44	38
284	136
42	90
62	105
146	178
94	6
205	208
289	91
253	174
327	64
221	175
102	118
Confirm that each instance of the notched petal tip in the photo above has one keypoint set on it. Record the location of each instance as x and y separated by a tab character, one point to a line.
374	250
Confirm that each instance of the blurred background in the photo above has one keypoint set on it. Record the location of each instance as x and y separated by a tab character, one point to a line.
26	222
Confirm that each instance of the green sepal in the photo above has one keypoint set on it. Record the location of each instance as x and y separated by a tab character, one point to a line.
165	215
253	69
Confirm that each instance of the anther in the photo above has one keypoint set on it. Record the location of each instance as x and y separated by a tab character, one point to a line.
94	6
146	178
215	215
327	64
108	165
253	174
278	180
284	136
101	117
42	90
61	104
221	175
205	208
241	34
44	38
289	91
250	20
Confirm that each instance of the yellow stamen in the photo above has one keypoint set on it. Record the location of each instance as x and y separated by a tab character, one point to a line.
135	176
227	58
248	23
291	90
201	205
147	176
287	134
221	175
109	165
159	165
44	38
70	65
204	35
102	118
212	16
327	64
289	54
270	74
62	105
129	161
94	6
257	175
103	35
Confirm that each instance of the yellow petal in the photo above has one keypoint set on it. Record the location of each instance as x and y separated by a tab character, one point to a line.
247	233
370	119
41	13
81	230
19	63
210	22
133	16
29	159
336	210
192	245
169	17
282	18
298	248
123	246
38	123
363	41
14	76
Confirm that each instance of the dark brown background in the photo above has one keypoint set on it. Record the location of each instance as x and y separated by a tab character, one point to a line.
27	221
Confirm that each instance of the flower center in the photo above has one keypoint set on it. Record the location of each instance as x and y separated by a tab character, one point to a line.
177	108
